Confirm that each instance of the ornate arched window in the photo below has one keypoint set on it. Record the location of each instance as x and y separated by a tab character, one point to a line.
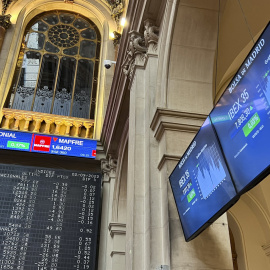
57	68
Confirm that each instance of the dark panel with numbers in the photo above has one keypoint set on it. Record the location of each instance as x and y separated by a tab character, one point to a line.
48	218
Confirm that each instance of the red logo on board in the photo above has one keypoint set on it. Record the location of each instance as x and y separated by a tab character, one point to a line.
42	143
94	153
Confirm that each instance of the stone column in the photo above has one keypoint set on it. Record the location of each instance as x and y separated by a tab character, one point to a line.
108	167
4	25
147	221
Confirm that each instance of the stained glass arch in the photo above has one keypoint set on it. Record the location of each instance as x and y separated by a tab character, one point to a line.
57	67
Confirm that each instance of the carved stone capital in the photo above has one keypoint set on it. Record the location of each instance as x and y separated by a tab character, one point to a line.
68	123
48	120
151	35
113	166
108	168
136	49
88	125
151	32
38	118
105	168
28	117
5	21
77	124
9	115
59	122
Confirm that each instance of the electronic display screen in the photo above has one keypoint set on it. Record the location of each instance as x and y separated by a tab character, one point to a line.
242	117
48	144
201	183
49	218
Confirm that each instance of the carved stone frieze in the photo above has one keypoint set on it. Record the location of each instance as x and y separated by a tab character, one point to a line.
136	48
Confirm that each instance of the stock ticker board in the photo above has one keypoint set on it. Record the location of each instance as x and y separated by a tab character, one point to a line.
48	218
47	144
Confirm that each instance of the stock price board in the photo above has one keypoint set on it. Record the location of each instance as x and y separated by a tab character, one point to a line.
48	218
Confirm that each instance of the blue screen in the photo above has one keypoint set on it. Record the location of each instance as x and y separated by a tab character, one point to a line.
201	182
242	117
47	144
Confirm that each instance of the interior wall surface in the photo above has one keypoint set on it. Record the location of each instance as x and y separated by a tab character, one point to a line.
240	24
186	101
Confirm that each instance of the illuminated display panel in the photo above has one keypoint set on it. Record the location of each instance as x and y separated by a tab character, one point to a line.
48	144
201	183
242	117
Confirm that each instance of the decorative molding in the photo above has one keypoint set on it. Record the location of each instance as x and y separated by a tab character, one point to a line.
174	126
117	229
69	1
173	113
165	158
5	21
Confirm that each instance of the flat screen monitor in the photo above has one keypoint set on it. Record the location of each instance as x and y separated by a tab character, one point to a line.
241	117
201	183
